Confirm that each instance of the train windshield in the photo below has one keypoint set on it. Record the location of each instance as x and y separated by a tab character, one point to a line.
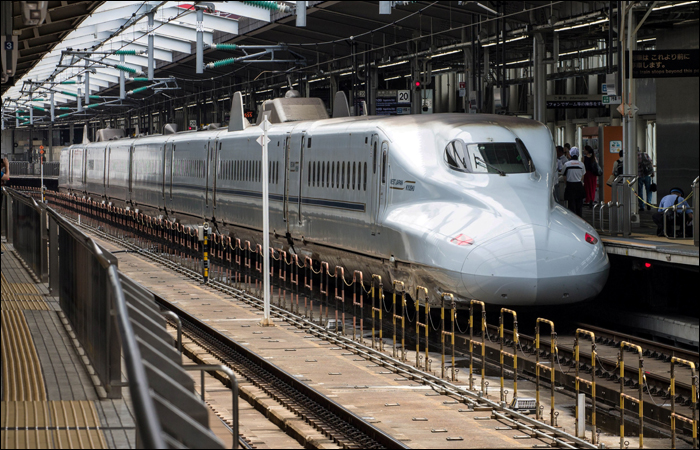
492	157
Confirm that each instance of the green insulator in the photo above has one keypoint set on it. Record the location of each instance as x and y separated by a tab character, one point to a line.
63	108
125	68
125	52
91	105
68	82
39	108
226	46
272	6
95	97
141	89
63	115
38	99
223	62
69	93
140	79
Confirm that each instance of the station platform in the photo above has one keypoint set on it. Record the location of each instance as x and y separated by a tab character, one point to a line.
644	243
48	396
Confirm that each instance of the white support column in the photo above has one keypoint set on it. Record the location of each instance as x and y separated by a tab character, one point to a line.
151	37
87	84
263	140
122	80
200	40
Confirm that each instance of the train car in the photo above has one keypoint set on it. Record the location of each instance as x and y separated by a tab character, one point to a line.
458	203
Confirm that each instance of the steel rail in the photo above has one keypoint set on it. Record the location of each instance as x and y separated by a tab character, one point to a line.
559	437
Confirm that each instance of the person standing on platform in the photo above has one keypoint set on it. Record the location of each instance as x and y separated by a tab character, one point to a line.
674	198
567	151
590	179
574	172
645	172
561	160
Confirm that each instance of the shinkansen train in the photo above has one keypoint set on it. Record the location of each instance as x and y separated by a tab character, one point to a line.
458	203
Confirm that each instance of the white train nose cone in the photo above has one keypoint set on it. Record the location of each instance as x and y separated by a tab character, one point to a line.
535	265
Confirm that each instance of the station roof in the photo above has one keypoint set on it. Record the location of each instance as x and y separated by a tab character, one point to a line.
334	32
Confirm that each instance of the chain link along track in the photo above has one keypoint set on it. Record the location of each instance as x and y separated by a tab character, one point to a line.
216	343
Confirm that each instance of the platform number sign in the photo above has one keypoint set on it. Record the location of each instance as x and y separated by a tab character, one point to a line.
9	45
403	96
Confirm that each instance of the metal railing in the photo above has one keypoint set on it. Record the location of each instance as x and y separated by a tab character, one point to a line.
25	168
112	317
618	221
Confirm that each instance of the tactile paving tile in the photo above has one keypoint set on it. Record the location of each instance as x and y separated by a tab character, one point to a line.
53	424
19	296
21	371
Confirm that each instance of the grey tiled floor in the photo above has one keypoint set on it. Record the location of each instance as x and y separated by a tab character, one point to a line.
65	374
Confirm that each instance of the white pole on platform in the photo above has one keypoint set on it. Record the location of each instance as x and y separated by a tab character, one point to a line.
263	141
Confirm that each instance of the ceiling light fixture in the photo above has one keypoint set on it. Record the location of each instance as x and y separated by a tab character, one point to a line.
507	41
582	25
672	6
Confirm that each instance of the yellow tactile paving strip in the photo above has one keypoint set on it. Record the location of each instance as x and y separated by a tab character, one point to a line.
53	424
21	371
19	296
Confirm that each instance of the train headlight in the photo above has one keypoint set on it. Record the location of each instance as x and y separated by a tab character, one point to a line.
591	239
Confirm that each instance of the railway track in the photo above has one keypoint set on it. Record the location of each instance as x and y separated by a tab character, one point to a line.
216	342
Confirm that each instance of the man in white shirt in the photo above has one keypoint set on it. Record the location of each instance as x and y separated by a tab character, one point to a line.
574	170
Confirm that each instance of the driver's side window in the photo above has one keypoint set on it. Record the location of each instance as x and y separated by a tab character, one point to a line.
457	156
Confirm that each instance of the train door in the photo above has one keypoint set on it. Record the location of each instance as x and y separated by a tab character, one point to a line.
105	170
211	173
209	168
287	172
383	173
168	156
130	189
294	169
374	184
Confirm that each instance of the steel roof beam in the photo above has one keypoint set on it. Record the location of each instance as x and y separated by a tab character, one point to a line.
241	9
210	21
165	42
179	32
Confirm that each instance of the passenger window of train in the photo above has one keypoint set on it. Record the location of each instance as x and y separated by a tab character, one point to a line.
308	181
354	172
348	173
342	176
309	145
323	174
332	175
313	177
364	181
374	159
383	166
337	174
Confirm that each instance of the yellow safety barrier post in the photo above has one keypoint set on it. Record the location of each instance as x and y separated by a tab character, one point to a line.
424	291
399	287
693	396
482	343
341	297
623	396
538	366
357	294
591	383
446	333
378	279
324	265
514	355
